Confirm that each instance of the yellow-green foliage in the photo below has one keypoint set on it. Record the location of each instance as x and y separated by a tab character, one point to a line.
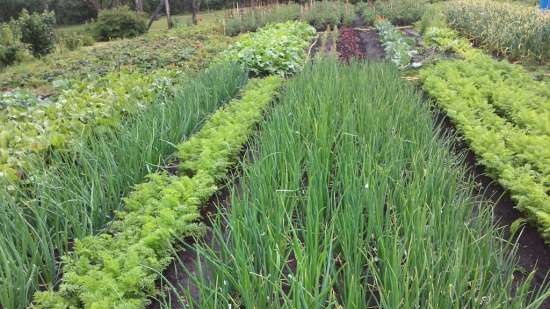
118	269
26	130
504	115
508	29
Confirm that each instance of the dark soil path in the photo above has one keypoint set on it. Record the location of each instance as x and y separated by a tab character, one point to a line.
368	40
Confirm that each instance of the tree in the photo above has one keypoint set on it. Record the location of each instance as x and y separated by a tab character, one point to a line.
139	5
168	17
195	6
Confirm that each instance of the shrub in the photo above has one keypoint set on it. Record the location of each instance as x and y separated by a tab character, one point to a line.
322	14
11	48
253	19
401	12
37	30
119	23
366	11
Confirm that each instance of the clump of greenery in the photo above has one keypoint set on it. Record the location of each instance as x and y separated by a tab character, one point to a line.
184	49
367	12
37	30
118	269
506	29
12	50
252	19
401	12
399	48
119	22
335	13
73	40
274	49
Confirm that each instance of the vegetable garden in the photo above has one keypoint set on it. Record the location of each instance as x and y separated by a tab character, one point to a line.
301	155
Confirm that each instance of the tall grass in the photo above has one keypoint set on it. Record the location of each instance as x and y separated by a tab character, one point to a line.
250	19
351	199
512	30
78	192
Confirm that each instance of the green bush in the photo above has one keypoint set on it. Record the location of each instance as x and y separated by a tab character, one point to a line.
322	14
11	48
37	30
119	23
366	12
253	19
401	12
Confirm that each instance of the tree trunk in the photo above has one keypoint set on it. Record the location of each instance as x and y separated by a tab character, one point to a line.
195	5
156	13
168	17
139	5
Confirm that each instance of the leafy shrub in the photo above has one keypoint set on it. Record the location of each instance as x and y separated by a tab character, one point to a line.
506	29
401	12
367	13
10	9
322	14
73	11
37	30
252	19
11	48
273	49
119	23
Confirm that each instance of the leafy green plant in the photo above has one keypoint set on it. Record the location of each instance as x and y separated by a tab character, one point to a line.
37	31
119	22
506	29
12	50
367	12
399	49
274	49
74	40
118	269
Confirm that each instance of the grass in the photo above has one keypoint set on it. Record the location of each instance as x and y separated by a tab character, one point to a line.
351	199
78	192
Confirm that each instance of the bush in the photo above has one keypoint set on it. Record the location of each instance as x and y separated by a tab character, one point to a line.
73	11
11	48
401	12
253	19
119	23
322	14
366	11
37	30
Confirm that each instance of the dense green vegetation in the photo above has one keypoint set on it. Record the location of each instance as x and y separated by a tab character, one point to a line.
503	114
399	48
118	269
274	49
78	191
350	200
349	195
506	29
